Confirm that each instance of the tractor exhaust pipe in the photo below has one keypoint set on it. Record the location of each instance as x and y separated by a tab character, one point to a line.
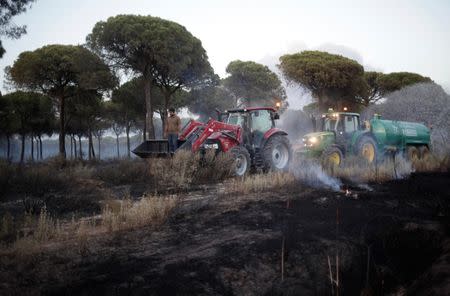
219	114
314	123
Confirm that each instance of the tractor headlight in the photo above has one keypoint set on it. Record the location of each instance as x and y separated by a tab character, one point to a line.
313	140
310	141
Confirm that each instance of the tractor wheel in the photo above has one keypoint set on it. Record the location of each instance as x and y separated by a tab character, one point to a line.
413	153
367	149
424	152
332	157
242	161
277	153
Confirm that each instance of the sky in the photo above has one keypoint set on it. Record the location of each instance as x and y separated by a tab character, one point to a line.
386	36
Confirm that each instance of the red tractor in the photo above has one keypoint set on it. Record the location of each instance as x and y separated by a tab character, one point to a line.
249	134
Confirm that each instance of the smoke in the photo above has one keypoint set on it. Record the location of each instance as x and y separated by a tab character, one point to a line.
427	103
296	123
312	174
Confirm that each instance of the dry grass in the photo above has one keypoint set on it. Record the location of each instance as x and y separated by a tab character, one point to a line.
7	227
150	210
261	182
433	163
186	168
177	171
37	179
357	169
123	171
37	233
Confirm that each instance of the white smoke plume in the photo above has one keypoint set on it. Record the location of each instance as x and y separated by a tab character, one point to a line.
312	174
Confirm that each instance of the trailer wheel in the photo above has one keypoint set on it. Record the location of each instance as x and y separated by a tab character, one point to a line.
332	157
413	153
367	149
242	161
277	153
424	152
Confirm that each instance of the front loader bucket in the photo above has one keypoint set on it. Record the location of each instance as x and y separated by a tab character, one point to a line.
152	148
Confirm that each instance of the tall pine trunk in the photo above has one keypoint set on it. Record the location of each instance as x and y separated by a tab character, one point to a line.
8	151
91	146
22	151
40	147
71	147
62	127
99	138
144	131
127	130
149	107
36	139
74	140
32	147
80	150
163	112
117	143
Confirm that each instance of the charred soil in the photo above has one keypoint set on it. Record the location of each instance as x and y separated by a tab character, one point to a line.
390	237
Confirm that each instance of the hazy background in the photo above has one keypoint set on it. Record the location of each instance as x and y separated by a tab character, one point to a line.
383	35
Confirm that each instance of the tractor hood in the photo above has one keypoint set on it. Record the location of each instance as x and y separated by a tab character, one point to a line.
318	141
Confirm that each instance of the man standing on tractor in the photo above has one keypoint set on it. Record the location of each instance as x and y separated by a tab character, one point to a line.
171	130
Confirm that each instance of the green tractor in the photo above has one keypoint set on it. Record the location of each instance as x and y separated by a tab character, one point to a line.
342	133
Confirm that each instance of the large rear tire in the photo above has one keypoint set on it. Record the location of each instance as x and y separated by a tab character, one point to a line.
277	153
242	162
332	157
367	149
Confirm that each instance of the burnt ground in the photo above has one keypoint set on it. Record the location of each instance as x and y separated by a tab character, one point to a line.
390	238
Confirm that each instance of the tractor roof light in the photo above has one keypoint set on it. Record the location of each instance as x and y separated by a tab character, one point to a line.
278	105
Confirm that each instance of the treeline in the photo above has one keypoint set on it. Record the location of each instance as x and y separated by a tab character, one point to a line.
74	91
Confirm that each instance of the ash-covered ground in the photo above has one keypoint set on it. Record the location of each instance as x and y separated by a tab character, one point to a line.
389	238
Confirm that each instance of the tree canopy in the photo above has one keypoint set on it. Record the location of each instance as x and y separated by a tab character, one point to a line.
9	9
61	71
129	101
374	92
332	79
159	50
397	80
379	84
205	101
252	82
31	114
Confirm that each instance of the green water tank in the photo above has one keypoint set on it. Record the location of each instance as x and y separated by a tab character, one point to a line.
399	133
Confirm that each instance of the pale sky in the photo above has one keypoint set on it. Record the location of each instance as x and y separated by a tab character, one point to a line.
387	36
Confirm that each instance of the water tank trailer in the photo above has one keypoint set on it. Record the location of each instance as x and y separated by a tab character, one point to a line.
342	133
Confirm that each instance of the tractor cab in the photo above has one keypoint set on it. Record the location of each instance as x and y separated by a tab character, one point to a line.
255	123
335	128
342	124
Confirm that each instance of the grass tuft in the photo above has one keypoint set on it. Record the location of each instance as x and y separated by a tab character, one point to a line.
261	182
150	210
